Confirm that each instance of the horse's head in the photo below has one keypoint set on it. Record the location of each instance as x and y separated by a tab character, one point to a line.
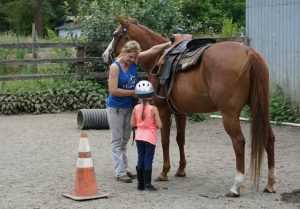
130	29
120	37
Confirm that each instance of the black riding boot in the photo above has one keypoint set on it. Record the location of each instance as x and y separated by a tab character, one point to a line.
140	179
148	185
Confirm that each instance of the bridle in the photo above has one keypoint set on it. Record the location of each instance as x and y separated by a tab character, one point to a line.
112	52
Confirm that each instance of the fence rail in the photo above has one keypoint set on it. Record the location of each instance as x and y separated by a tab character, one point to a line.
80	58
51	60
52	45
100	75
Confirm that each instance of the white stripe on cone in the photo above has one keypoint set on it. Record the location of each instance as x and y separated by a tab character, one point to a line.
84	145
84	163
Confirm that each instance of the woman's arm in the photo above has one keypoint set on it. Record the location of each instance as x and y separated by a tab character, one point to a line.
154	50
157	117
113	83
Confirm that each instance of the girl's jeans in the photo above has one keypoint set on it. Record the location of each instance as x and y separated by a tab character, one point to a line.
145	155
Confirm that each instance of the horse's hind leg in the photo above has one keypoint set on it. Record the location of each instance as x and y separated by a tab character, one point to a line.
232	126
270	187
180	138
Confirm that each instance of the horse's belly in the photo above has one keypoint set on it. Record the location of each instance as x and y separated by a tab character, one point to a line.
190	95
193	104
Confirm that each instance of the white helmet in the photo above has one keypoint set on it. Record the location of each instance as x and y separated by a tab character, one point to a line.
144	90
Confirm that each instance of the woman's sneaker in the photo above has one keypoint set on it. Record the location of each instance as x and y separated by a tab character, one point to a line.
124	179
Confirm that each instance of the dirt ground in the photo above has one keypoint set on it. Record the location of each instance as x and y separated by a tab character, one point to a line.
38	156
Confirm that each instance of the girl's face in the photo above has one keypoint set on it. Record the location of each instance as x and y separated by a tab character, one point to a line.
130	57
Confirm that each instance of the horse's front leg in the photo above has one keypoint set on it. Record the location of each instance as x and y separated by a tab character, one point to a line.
270	187
180	138
165	116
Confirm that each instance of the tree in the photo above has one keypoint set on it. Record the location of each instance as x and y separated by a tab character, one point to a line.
18	15
38	17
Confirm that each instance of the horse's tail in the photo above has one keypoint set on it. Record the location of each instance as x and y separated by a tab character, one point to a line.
259	103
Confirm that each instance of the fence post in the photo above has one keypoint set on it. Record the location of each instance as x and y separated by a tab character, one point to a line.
246	40
34	51
80	65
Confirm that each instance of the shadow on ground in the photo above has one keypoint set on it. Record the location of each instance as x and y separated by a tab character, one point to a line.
291	197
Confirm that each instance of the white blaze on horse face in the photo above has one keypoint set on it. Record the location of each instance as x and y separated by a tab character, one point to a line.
238	181
105	55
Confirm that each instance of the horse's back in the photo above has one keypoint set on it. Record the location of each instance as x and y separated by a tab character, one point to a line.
219	82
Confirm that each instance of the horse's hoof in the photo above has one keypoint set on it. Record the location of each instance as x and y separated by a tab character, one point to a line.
269	191
180	174
161	179
230	194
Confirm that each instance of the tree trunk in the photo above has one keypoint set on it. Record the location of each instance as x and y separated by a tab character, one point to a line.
38	17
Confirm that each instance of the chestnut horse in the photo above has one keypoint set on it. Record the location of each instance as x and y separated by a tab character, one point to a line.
229	76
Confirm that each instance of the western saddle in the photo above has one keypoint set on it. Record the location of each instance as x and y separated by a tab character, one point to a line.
184	54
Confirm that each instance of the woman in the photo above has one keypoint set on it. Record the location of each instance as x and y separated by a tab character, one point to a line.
122	79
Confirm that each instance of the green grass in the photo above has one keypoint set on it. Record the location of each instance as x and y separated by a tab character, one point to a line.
30	85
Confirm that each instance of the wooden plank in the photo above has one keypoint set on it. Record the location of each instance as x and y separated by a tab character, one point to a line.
35	77
99	75
52	60
54	45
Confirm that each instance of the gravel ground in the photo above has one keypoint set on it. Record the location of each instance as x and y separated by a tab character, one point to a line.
38	162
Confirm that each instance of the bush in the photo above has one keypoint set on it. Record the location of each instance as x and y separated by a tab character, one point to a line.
198	117
229	28
70	96
280	109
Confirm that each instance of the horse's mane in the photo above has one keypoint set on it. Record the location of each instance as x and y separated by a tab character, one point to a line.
133	20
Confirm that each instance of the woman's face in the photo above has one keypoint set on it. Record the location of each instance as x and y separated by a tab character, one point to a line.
130	57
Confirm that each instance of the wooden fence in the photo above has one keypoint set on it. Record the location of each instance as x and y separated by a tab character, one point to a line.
79	60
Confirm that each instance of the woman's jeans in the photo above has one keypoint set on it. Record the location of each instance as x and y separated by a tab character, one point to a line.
119	123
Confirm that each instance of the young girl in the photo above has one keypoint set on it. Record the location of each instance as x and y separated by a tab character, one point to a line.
146	120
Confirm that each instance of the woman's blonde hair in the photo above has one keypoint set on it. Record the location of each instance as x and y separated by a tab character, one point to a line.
131	46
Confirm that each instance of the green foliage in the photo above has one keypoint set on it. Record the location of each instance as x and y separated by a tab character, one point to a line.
17	15
198	117
210	13
246	112
99	18
10	37
48	68
280	109
31	85
162	16
70	96
229	28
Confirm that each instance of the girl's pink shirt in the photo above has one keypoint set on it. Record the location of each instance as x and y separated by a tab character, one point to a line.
147	128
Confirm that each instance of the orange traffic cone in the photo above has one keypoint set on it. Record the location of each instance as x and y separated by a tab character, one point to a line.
85	187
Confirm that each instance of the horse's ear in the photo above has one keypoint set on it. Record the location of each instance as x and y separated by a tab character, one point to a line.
120	20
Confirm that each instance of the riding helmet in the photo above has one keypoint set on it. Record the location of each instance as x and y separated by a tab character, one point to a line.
144	90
